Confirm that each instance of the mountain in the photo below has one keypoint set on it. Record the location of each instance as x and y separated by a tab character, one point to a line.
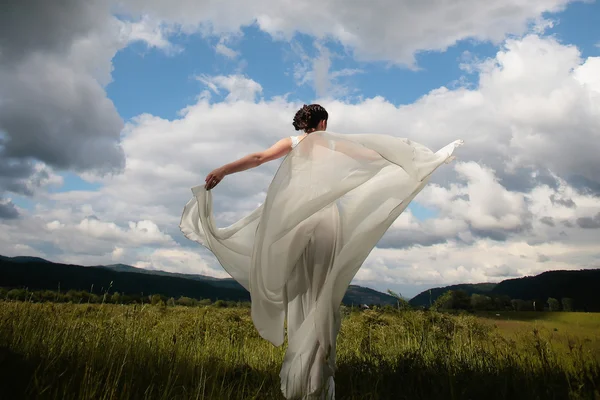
579	285
221	282
39	274
24	259
46	275
357	295
428	297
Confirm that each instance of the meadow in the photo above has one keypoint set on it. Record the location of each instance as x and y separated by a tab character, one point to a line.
85	351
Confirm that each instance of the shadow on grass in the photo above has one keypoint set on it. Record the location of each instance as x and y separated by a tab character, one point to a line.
15	374
408	378
67	379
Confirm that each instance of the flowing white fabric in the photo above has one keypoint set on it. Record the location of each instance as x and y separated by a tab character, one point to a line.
330	202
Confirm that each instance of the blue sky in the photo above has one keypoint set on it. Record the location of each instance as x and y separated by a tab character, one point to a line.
149	80
485	215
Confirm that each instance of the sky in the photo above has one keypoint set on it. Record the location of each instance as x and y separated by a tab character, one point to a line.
110	111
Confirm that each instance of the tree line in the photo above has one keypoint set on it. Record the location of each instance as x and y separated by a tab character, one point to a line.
449	300
461	300
83	297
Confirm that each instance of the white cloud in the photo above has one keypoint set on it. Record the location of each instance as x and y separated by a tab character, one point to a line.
483	261
318	71
542	24
226	51
54	114
55	109
239	87
138	233
226	42
509	206
150	31
8	210
56	62
117	253
385	30
483	202
181	261
587	75
54	225
76	42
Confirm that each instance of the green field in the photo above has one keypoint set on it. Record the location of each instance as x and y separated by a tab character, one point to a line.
65	351
563	324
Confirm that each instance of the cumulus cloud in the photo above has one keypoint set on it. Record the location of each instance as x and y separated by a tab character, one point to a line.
226	51
150	31
138	233
543	258
386	30
239	88
567	202
118	253
55	60
224	45
482	224
38	25
408	231
62	236
589	222
501	271
548	221
53	109
8	209
484	260
181	261
482	202
521	198
25	177
317	71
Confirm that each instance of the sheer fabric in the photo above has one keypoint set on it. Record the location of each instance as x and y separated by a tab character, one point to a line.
331	200
295	141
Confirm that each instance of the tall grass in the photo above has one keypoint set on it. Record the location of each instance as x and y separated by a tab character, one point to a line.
65	351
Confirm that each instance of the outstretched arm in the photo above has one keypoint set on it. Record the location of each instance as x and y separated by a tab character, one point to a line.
278	150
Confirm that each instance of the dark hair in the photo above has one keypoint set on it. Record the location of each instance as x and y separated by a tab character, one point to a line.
308	117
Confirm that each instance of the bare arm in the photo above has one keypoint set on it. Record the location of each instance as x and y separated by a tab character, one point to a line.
278	150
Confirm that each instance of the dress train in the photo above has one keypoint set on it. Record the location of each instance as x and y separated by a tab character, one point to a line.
331	200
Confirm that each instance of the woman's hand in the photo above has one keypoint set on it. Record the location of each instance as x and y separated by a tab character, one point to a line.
214	178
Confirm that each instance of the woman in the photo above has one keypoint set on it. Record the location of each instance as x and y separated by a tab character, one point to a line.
331	200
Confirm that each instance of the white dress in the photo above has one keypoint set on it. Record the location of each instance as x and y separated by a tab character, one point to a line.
331	200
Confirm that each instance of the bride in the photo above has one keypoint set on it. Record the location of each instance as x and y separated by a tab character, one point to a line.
331	200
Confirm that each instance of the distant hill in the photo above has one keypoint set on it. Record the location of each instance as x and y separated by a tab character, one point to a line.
428	297
24	259
580	285
357	295
39	274
221	282
45	275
